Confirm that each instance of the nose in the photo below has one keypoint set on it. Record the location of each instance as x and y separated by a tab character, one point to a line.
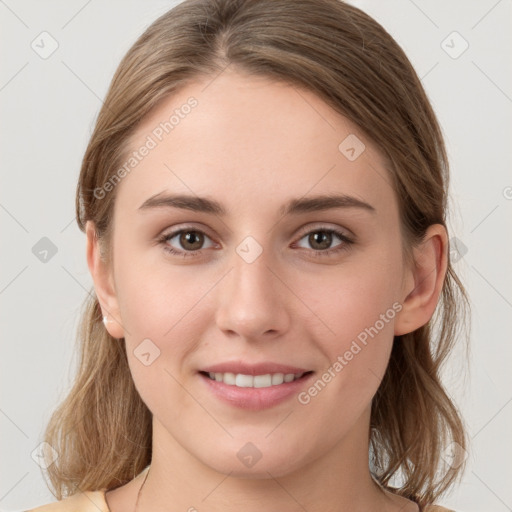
254	302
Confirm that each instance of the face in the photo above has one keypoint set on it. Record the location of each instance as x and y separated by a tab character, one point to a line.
255	274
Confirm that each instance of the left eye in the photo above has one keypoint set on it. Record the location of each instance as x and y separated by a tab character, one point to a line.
322	239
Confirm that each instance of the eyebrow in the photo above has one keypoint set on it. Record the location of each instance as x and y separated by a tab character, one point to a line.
295	206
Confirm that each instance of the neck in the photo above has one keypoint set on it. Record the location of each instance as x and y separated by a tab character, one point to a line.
338	480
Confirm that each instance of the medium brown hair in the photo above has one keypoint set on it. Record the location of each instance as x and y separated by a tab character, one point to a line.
102	430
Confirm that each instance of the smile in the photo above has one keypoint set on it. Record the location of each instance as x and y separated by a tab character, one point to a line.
254	381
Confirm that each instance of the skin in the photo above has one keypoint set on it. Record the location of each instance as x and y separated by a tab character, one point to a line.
253	144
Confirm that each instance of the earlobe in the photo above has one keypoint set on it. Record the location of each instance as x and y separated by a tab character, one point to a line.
424	282
103	283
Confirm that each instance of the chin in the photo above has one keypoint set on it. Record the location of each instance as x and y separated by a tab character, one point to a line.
252	463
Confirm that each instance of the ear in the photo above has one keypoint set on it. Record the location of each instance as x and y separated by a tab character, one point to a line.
102	277
424	282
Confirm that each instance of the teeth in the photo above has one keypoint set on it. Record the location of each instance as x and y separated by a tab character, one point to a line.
254	381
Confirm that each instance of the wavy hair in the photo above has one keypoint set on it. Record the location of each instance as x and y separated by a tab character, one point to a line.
102	429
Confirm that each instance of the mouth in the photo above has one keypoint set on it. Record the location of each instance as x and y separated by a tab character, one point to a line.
254	385
255	381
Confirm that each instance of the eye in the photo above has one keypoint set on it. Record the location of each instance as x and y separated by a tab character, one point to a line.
321	240
187	242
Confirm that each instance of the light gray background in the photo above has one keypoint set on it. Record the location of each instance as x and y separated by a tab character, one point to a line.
48	107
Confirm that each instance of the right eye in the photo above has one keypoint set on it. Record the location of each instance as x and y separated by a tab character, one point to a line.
191	242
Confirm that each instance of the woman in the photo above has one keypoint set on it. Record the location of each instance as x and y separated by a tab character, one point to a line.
264	198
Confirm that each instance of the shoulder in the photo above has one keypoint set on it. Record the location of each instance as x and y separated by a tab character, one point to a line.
88	501
437	508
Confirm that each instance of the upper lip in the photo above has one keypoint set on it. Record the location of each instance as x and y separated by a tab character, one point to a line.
244	368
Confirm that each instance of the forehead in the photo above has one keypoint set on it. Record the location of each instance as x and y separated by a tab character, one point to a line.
242	138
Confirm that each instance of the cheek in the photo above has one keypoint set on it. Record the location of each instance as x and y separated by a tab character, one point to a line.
163	310
358	304
353	297
162	314
155	297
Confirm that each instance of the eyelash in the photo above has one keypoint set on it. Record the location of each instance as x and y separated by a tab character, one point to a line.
345	245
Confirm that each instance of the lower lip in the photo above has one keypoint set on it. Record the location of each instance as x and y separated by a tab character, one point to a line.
255	399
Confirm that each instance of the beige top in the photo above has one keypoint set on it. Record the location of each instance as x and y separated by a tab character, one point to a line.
94	501
88	501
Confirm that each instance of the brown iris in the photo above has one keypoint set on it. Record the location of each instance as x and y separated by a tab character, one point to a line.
322	238
193	238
